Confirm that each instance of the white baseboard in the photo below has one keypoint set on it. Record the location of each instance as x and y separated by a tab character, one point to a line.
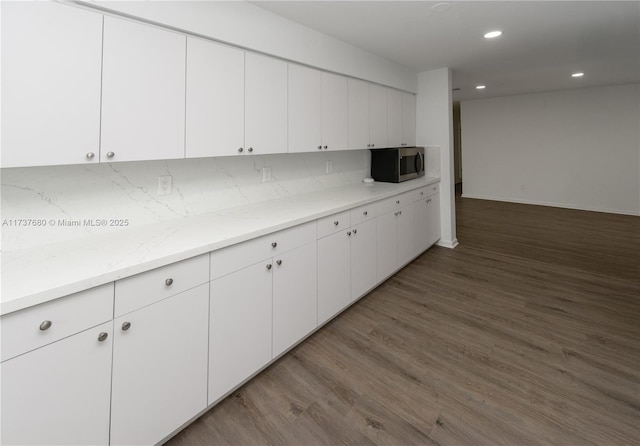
551	204
448	243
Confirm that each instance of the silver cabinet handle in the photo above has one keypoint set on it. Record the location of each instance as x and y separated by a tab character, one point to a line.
45	325
274	244
349	234
279	262
397	201
336	222
110	154
399	212
319	147
168	282
103	336
326	147
368	145
240	150
355	231
126	326
250	149
373	145
90	155
268	266
365	213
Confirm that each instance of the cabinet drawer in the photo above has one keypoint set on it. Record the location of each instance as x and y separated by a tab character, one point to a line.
43	324
396	202
333	223
146	288
363	213
233	258
426	191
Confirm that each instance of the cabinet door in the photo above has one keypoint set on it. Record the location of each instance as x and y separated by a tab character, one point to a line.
51	68
378	115
160	367
358	103
265	104
405	235
409	119
305	109
295	292
421	229
335	119
363	258
334	285
394	118
143	92
240	327
215	100
387	245
433	223
59	394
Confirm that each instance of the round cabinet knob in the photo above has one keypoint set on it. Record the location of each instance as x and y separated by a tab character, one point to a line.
336	222
397	201
268	266
349	233
103	336
90	155
274	244
279	262
326	147
319	147
355	231
373	145
168	282
250	149
240	150
368	145
110	154
365	213
421	194
399	212
126	326
45	325
429	200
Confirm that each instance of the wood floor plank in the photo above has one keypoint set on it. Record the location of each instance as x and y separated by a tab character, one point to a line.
528	333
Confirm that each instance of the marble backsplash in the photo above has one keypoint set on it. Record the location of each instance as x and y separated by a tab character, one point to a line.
71	202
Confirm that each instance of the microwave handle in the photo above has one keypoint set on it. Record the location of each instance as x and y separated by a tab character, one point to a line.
419	163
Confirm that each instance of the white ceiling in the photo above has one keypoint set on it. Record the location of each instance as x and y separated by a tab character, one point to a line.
543	42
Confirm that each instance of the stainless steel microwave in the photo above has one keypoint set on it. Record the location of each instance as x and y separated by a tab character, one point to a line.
397	164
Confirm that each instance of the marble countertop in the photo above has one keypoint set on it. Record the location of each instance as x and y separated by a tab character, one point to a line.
38	275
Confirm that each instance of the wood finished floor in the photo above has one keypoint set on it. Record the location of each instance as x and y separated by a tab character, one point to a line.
528	333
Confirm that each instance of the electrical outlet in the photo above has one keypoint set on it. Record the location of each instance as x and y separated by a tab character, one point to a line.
329	167
164	185
266	174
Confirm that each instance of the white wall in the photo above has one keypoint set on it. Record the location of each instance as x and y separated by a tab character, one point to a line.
574	148
246	25
434	127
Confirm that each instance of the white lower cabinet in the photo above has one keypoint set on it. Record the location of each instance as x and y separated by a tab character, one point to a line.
159	367
426	218
295	297
59	393
363	258
240	327
334	274
394	234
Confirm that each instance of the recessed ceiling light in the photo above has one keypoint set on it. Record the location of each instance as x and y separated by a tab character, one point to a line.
480	87
579	74
440	7
492	34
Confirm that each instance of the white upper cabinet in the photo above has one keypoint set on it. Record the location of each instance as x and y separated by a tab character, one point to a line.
394	118
358	114
265	104
378	116
51	67
408	119
305	109
318	110
143	92
215	99
335	112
